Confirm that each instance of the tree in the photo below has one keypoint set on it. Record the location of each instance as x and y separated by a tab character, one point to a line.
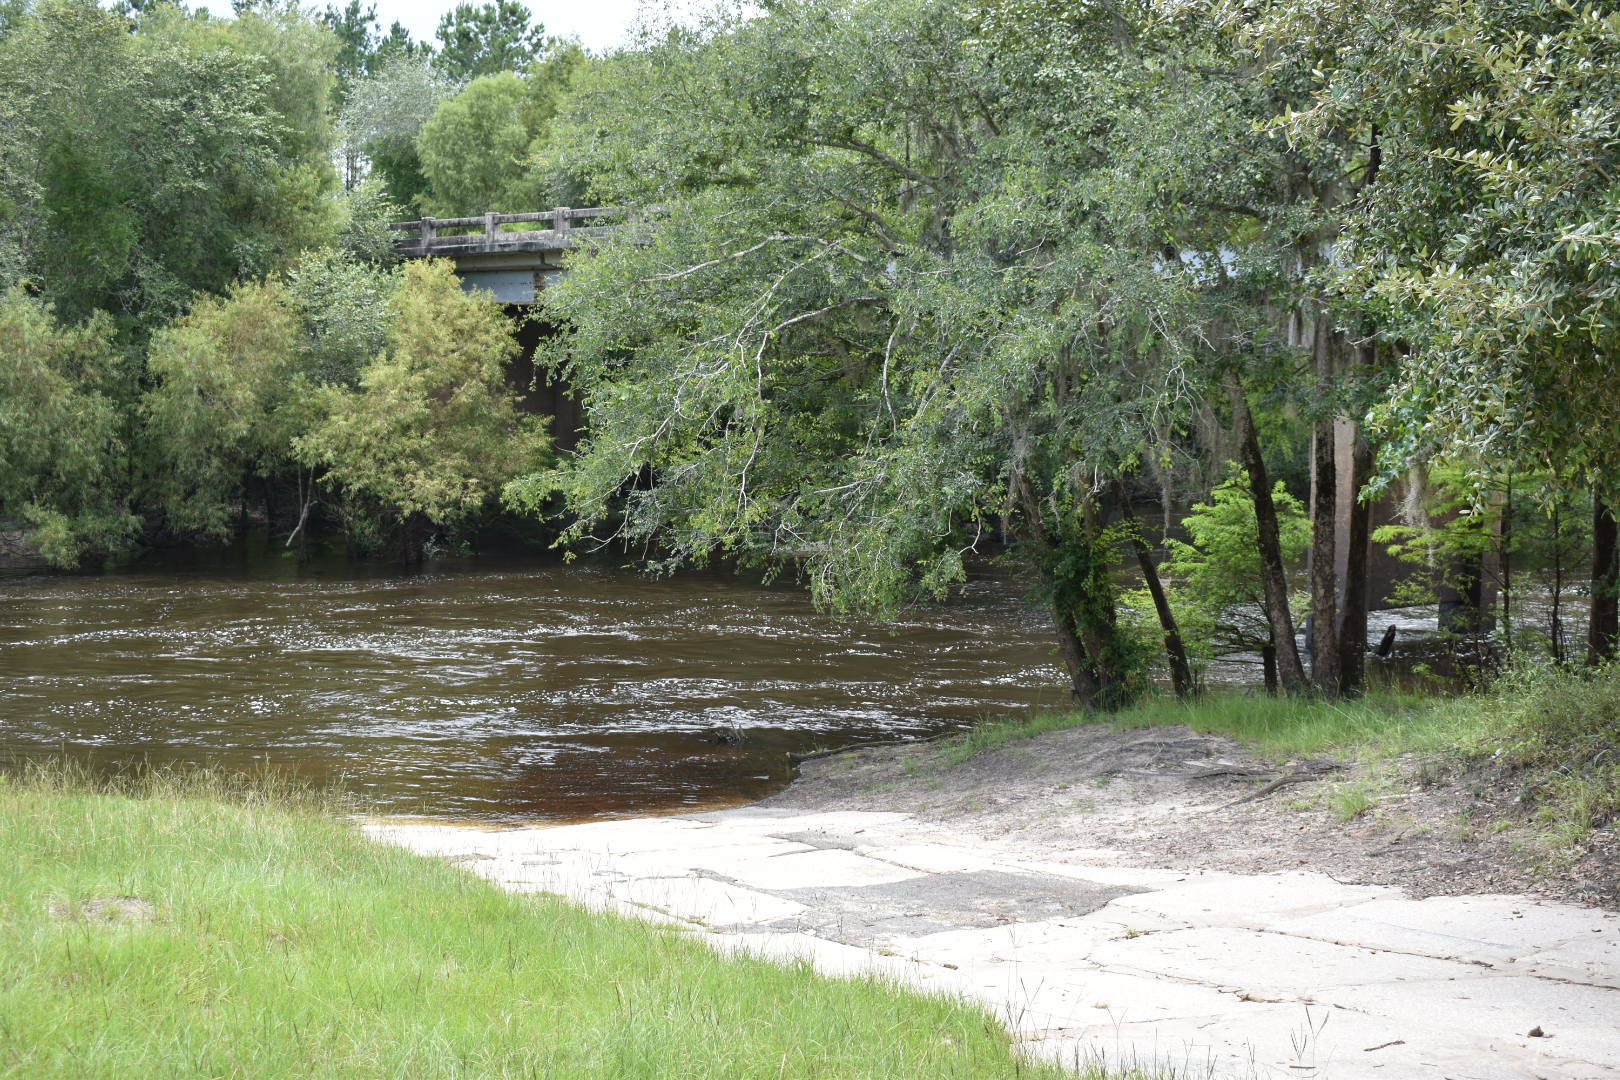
432	431
363	46
1487	246
228	400
1217	574
382	117
474	150
880	317
362	50
487	39
347	306
1169	111
477	151
62	458
156	163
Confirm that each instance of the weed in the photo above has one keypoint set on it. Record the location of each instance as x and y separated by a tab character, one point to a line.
1353	801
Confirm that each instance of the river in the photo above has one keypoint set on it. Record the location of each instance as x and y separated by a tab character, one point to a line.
492	690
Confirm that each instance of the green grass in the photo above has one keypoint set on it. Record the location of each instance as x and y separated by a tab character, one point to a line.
1352	801
1282	727
1555	734
993	733
1275	726
208	927
1558	734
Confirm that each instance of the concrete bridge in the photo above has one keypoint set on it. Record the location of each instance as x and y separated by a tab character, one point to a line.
513	265
516	266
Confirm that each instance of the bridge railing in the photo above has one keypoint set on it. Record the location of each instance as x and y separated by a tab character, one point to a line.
562	219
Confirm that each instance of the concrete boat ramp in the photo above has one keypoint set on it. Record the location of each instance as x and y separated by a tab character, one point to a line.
1205	973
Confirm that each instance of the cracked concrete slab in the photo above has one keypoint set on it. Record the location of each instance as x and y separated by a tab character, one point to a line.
706	901
1576	1022
923	903
1254	900
1270	966
828	868
1261	975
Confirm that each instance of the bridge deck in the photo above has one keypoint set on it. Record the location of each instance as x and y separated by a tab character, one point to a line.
563	235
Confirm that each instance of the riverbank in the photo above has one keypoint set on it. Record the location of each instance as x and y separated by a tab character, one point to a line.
1493	794
200	926
1154	898
1091	963
1345	891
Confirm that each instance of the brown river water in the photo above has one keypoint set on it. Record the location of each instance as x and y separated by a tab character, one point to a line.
487	690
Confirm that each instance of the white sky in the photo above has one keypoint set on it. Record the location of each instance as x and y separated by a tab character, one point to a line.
599	24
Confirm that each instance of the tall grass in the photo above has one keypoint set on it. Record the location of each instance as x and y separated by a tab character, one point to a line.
203	926
1275	726
1282	726
1559	733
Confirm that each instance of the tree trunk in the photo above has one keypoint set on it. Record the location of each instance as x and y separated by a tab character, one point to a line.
1603	628
1353	603
1555	614
1083	681
1324	560
300	532
1268	666
1095	617
242	508
1096	684
1274	575
1505	557
1175	651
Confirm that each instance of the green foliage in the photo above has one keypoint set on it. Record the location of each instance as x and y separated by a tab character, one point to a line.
147	165
346	306
924	258
889	303
1278	727
477	40
1081	568
473	150
1532	535
476	151
1215	574
363	46
1560	729
382	116
1567	719
1352	801
62	452
226	404
1486	246
432	430
902	275
368	209
1448	531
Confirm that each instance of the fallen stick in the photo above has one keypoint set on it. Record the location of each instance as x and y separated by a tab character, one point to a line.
1290	778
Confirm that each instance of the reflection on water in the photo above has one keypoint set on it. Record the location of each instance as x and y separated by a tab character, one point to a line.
486	690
